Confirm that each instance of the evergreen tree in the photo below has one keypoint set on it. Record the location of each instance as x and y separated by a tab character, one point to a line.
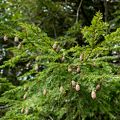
54	68
62	79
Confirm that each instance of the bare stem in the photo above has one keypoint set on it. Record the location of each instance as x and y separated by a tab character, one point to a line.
77	15
106	10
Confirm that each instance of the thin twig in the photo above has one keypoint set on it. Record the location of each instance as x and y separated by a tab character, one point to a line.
55	34
77	15
50	118
4	107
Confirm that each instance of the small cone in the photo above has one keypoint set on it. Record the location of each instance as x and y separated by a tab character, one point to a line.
19	46
26	111
54	46
69	69
63	58
77	88
36	67
25	96
78	69
16	39
5	38
28	64
61	89
81	57
58	48
22	110
93	95
44	92
98	87
73	83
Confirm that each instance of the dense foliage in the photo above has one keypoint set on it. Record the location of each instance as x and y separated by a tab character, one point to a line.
59	60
